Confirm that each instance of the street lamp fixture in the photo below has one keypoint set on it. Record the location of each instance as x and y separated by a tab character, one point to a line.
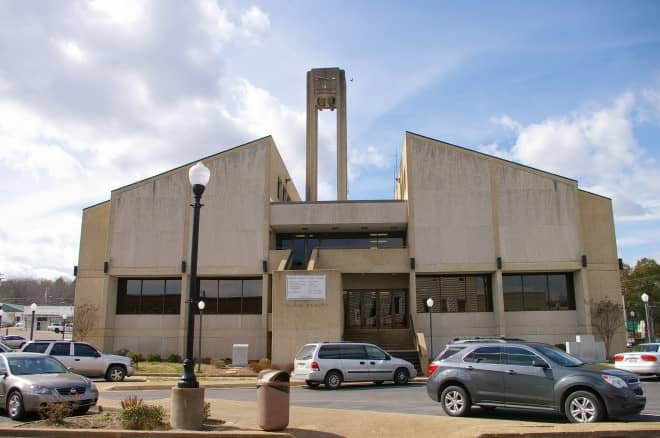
649	323
199	176
33	308
201	305
429	305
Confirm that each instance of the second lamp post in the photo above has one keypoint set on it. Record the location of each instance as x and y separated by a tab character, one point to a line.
199	176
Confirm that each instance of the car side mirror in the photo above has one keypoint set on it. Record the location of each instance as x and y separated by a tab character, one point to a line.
388	357
539	364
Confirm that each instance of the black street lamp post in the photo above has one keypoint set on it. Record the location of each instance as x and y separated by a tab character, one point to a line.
200	305
649	323
33	307
429	304
199	176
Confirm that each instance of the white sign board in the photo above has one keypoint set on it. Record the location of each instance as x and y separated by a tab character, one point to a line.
305	287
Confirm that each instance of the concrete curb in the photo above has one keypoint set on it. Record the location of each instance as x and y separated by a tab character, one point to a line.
115	433
637	433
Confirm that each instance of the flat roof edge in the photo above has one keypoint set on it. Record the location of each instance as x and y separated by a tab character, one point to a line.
595	194
95	205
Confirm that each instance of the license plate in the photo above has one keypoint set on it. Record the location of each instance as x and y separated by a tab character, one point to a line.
631	359
301	365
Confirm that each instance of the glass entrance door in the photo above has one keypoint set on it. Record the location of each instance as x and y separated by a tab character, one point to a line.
375	309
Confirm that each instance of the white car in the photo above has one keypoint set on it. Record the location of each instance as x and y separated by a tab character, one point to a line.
641	359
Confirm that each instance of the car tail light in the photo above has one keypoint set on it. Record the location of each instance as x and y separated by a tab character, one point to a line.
315	366
618	358
649	358
432	367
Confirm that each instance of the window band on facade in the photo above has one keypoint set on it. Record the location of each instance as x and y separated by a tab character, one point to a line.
538	291
149	296
231	296
455	293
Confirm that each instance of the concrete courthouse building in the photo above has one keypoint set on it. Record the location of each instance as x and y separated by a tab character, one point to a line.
502	248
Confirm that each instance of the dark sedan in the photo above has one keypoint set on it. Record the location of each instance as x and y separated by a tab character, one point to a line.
531	375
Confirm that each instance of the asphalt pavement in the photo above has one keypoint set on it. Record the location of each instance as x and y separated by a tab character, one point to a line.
389	398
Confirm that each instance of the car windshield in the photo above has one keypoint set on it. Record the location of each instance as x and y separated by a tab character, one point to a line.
34	365
646	348
305	352
558	356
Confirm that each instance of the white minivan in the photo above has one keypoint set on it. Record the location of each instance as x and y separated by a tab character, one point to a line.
332	363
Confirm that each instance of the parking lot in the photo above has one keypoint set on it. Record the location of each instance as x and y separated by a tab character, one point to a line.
388	398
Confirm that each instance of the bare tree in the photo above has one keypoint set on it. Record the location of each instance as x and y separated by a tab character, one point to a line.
84	320
606	318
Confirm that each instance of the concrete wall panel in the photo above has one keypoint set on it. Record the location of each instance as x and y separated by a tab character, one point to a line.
536	215
451	192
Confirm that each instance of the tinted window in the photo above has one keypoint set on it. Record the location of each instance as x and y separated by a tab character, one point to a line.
558	356
485	355
353	352
538	292
375	353
36	347
148	296
232	296
84	350
449	352
520	356
454	293
61	349
645	348
306	352
329	352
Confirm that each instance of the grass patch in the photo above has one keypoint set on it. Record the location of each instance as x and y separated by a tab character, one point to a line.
150	368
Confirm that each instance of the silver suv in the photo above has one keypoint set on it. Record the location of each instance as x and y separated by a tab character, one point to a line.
84	359
334	363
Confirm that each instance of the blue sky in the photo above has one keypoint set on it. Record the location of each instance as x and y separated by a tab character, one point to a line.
98	94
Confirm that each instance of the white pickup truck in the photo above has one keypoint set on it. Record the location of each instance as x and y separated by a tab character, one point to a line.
58	328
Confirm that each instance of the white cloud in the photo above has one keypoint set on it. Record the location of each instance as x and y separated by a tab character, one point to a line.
597	146
72	50
507	122
124	14
68	136
216	24
254	22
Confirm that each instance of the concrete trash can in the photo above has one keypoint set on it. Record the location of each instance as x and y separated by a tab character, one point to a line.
273	399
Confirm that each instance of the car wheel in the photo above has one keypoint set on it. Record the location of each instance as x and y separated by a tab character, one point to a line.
116	373
583	407
333	380
15	407
455	401
401	376
311	384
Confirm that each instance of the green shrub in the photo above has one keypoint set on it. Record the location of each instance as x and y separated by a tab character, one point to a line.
153	357
136	357
55	413
218	363
174	358
135	415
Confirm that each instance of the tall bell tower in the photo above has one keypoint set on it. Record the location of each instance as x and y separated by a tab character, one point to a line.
326	89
